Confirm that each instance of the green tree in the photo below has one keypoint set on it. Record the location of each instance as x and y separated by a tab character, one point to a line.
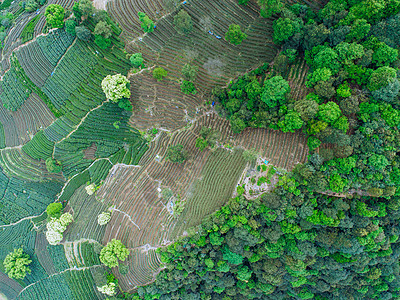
237	124
378	161
136	60
385	55
337	183
283	29
201	143
53	210
83	33
115	87
103	29
31	5
274	91
102	42
52	165
321	74
183	22
189	72
306	107
86	8
55	16
187	87
291	122
146	23
381	77
342	124
235	35
16	264
176	154
70	25
112	252
329	112
313	143
359	30
159	73
269	7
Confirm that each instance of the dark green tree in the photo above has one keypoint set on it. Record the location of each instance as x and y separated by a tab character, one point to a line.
235	35
183	22
176	154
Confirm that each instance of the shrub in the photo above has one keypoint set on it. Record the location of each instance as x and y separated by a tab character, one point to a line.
53	166
187	87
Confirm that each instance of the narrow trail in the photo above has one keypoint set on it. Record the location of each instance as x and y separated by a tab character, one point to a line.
126	215
66	270
23	219
78	125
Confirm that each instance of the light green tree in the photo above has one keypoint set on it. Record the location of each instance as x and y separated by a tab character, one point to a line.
55	15
16	264
115	87
112	252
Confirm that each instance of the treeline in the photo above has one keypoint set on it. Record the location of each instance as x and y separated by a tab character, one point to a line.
351	49
289	244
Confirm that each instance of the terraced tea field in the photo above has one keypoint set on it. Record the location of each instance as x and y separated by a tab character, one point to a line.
52	106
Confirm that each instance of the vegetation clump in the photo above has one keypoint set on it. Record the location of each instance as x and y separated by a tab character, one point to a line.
16	264
112	252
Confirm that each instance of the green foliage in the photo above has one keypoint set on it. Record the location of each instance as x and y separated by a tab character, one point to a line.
103	29
176	154
187	87
291	122
321	74
274	91
385	55
283	29
189	72
55	16
112	252
269	7
54	210
235	35
16	264
381	77
183	22
53	166
329	112
136	60
337	183
70	25
159	73
83	33
146	23
359	30
102	42
313	143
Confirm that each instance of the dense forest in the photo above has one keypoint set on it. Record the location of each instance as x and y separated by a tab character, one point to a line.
330	228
